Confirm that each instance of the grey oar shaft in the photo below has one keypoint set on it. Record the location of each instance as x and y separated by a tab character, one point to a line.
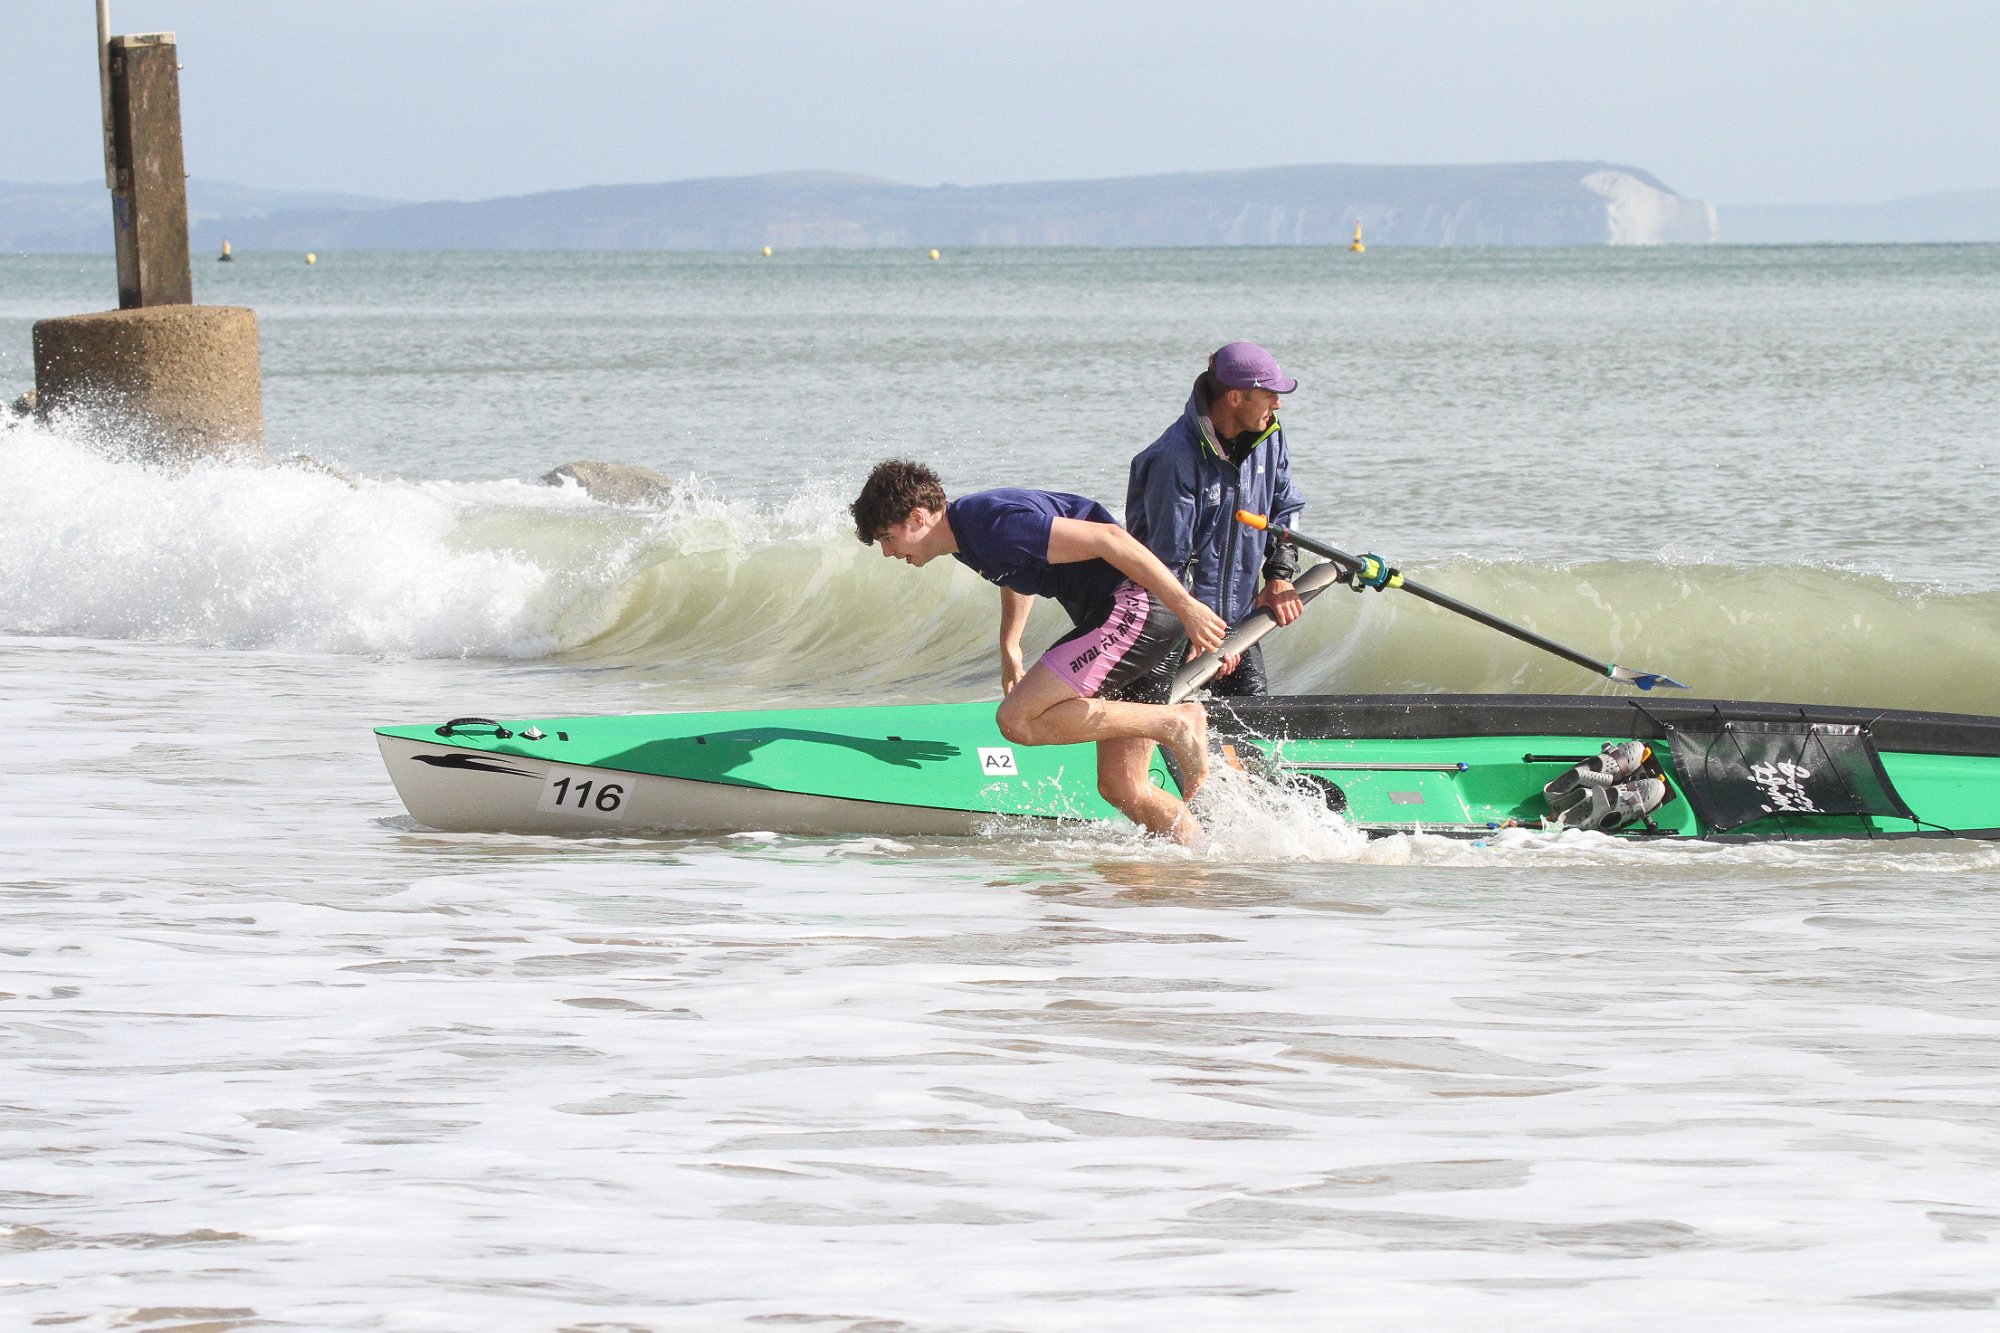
1198	671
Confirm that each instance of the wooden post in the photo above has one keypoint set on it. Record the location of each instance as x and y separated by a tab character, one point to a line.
104	93
149	202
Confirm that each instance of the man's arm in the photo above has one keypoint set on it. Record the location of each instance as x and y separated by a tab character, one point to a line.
1160	506
1287	503
1014	608
1281	559
1074	539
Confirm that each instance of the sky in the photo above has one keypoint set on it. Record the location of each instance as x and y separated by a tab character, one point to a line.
1747	102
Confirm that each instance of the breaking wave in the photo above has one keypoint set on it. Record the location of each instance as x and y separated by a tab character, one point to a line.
734	593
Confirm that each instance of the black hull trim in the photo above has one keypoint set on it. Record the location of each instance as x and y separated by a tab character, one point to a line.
1424	716
1640	835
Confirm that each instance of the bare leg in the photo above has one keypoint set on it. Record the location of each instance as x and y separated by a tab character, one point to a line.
1124	779
1044	710
1190	752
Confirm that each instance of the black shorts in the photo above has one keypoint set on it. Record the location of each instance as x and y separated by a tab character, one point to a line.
1127	648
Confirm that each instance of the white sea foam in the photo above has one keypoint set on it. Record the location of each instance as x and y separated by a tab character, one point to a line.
266	557
296	559
1254	823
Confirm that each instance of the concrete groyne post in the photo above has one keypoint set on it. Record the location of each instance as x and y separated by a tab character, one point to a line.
164	378
149	203
166	383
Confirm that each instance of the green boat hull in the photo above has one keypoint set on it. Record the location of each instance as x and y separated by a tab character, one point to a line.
1451	764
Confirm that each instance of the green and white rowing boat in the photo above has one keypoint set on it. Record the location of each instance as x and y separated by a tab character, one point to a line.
1449	764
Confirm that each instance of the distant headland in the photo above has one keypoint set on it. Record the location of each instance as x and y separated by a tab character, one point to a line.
1531	203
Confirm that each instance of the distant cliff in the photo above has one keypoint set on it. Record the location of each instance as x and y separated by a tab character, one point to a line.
78	217
1535	203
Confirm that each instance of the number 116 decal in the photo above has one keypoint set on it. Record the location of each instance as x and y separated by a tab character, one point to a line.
583	791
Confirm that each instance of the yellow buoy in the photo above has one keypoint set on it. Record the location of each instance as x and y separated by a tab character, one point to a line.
312	258
225	257
767	252
934	254
1357	247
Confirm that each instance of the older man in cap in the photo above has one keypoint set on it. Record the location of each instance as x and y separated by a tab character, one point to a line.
1227	452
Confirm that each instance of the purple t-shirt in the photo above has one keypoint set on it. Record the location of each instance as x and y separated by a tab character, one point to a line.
1003	536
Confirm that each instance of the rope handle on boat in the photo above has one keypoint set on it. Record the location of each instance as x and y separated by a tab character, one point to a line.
451	728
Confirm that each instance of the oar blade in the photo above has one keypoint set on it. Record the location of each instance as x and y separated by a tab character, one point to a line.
1645	680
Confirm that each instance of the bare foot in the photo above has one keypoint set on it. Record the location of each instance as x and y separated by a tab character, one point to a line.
1187	743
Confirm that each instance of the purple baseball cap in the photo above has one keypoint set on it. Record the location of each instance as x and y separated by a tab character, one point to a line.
1248	366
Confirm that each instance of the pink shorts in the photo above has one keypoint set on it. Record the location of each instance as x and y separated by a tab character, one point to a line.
1127	649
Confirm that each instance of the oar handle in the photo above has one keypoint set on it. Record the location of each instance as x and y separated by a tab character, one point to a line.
1263	524
1364	565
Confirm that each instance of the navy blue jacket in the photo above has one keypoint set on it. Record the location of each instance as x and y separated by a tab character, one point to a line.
1182	501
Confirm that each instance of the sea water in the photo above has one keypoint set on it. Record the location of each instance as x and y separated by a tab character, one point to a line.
276	1056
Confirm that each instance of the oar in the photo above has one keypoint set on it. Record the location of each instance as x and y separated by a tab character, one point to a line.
1645	680
1198	671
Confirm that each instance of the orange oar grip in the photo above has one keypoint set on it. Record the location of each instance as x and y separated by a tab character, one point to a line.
1250	520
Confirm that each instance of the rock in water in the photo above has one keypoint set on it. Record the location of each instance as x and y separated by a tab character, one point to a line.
615	483
307	463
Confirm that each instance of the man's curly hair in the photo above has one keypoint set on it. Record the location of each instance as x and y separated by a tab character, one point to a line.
892	490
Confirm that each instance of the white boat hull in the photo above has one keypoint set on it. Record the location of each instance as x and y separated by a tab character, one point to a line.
460	791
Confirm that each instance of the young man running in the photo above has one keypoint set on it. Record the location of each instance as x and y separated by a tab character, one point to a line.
1122	600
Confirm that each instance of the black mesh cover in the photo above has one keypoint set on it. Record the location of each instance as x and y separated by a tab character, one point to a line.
1736	772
